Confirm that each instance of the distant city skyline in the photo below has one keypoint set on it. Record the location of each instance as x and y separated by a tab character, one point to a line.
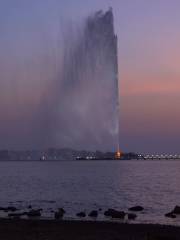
149	72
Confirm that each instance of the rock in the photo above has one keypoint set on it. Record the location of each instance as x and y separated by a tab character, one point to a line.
170	215
132	216
93	214
176	210
34	213
8	209
12	209
59	214
109	212
119	214
61	210
81	214
114	213
136	209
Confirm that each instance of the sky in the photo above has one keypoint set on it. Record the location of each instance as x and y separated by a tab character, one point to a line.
149	73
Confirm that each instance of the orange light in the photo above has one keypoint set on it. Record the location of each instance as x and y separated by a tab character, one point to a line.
118	154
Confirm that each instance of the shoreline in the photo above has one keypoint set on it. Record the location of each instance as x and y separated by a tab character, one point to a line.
81	230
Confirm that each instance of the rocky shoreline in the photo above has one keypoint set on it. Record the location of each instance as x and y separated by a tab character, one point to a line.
59	213
29	224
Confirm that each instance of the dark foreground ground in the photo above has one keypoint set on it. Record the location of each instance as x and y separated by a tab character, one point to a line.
66	230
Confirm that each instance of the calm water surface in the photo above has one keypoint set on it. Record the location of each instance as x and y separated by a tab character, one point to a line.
78	185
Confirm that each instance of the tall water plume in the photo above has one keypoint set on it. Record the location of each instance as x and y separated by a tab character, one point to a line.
59	84
89	85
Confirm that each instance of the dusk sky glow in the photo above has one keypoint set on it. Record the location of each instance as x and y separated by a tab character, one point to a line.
149	66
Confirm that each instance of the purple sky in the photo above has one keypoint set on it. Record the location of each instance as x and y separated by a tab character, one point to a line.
149	71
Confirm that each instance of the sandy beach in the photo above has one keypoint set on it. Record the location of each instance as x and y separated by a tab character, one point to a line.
17	229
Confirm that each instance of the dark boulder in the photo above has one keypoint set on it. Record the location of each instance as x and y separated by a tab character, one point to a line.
93	214
170	215
119	214
176	210
114	213
12	209
34	213
59	214
132	216
136	209
8	209
81	214
109	212
61	210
